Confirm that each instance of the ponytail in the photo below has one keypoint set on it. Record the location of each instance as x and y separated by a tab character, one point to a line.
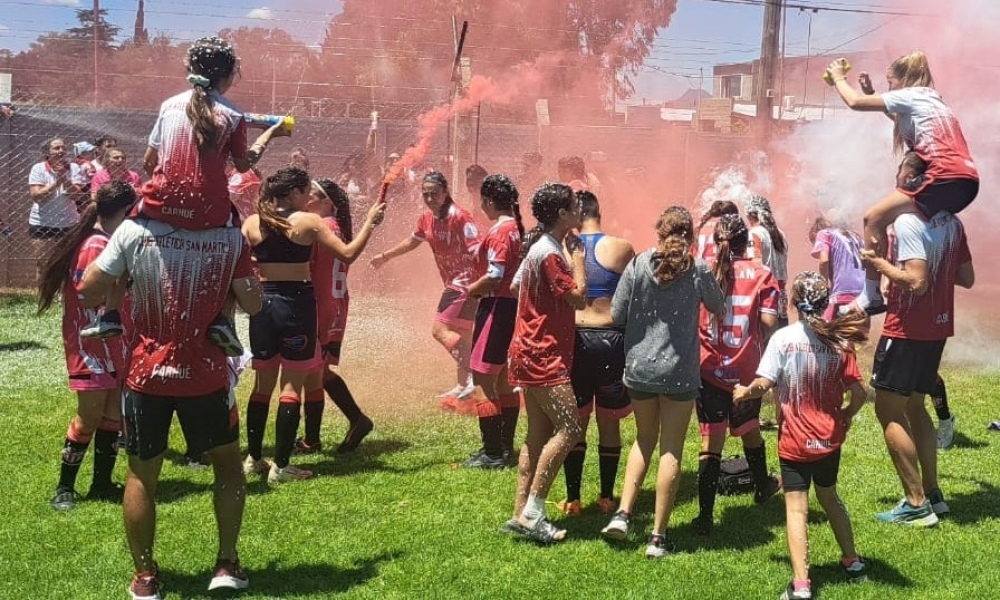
723	266
673	256
199	113
731	239
60	258
911	70
501	192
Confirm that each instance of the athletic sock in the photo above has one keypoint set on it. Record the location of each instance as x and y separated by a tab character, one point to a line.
257	409
285	428
708	482
510	409
489	429
314	415
73	451
757	460
871	294
341	396
939	398
573	468
608	458
105	453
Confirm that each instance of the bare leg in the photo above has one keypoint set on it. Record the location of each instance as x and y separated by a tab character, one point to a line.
877	219
674	419
539	431
925	438
797	527
229	497
559	406
890	409
139	508
840	520
647	425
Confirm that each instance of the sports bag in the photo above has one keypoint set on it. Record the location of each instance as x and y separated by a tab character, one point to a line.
735	477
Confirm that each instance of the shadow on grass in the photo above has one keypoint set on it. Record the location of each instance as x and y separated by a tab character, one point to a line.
963	441
973	507
366	459
21	346
171	490
879	571
278	581
736	528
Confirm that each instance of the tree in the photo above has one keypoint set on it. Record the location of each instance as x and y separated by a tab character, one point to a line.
106	32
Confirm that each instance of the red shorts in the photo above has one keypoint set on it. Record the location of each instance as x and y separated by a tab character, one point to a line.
93	382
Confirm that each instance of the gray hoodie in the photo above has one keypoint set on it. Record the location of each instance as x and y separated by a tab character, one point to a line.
662	350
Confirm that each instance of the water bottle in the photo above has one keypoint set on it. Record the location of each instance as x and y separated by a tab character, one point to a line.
267	121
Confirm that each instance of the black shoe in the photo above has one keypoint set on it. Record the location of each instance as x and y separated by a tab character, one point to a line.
770	489
356	433
484	461
510	458
703	525
113	492
223	334
65	499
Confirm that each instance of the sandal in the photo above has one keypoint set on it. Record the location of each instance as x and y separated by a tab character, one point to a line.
513	527
544	532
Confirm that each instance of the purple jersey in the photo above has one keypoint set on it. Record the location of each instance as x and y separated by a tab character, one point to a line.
843	250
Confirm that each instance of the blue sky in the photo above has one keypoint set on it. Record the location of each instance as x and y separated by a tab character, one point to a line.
701	34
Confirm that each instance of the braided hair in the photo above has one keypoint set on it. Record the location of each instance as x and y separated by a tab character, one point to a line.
209	62
501	192
731	240
811	296
760	209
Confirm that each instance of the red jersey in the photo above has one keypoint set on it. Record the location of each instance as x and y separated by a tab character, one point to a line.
730	352
811	380
453	241
942	243
244	188
541	351
180	281
189	189
706	241
87	356
499	255
329	276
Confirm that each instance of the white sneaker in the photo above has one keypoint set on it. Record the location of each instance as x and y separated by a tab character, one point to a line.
946	432
286	474
618	528
465	392
252	466
453	392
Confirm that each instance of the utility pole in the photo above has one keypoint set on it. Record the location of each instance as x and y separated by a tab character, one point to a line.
764	90
97	17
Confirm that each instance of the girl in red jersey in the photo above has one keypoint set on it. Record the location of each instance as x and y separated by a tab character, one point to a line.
498	258
812	364
731	346
706	228
94	365
549	292
329	274
453	237
925	125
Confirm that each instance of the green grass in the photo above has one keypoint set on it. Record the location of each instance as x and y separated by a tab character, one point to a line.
398	520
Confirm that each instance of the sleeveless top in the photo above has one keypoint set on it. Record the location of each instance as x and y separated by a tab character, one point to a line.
279	248
601	282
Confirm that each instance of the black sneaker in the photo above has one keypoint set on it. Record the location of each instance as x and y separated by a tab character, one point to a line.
772	487
703	525
484	461
65	499
107	325
857	571
223	334
356	433
511	457
113	492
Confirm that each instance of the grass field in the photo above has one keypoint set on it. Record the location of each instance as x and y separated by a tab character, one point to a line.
399	520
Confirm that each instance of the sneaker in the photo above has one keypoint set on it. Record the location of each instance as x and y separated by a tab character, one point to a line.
857	571
938	505
465	392
223	334
287	473
945	432
112	492
197	464
252	466
791	594
65	499
145	586
772	487
229	575
511	457
303	447
606	505
356	433
703	525
453	392
658	546
911	516
993	426
617	529
570	508
482	460
107	325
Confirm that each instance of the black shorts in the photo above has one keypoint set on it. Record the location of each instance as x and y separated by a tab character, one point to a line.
598	367
716	410
41	232
331	352
456	309
797	476
905	366
492	334
949	195
208	422
285	327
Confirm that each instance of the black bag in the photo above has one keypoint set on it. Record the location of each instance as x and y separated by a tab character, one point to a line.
735	477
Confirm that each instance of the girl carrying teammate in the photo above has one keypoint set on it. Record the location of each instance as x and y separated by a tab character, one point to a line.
498	259
94	365
549	292
731	346
453	237
812	363
925	125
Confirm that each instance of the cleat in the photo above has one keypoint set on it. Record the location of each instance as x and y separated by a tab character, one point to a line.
945	432
791	594
65	499
145	586
482	460
570	508
857	571
356	433
113	492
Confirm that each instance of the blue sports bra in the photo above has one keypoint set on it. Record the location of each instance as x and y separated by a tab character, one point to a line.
601	282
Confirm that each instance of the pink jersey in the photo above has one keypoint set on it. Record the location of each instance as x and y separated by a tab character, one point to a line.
243	191
541	351
706	241
930	129
104	176
87	356
189	188
453	241
329	276
499	255
180	281
811	379
731	350
942	243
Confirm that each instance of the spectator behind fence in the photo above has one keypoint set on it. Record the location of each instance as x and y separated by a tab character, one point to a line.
104	144
116	169
53	194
